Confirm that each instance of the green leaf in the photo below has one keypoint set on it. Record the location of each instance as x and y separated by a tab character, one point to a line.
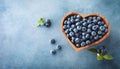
108	57
40	22
99	56
93	50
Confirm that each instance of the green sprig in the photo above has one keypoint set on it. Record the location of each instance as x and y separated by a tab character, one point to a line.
40	22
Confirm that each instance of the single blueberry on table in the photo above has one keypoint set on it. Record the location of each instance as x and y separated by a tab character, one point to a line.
48	20
93	33
47	24
58	47
52	41
53	52
83	43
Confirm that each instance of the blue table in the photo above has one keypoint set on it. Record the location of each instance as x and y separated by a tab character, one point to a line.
23	45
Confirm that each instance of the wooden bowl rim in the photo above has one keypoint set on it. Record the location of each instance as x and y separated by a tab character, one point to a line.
93	43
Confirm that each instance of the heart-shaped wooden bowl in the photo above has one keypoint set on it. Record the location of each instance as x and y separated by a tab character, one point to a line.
91	44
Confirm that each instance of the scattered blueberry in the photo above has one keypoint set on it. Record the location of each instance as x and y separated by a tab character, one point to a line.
52	41
53	52
58	47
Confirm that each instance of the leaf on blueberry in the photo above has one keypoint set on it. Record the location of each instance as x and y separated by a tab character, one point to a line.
93	50
108	57
99	56
40	22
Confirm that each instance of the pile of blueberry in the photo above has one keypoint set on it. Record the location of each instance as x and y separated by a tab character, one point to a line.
58	47
83	31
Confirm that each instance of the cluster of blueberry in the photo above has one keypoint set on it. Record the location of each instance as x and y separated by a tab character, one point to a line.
58	47
47	23
83	31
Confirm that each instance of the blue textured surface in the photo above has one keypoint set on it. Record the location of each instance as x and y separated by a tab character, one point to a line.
25	46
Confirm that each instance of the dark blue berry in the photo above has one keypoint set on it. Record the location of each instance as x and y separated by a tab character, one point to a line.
83	43
52	41
53	52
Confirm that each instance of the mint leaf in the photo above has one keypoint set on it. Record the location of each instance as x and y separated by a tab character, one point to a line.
99	56
108	57
40	22
93	50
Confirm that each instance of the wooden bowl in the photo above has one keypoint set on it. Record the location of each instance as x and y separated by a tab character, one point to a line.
91	44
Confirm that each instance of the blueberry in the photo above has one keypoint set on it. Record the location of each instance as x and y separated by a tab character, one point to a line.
52	41
77	20
93	33
73	41
84	20
72	20
98	18
78	45
90	18
87	36
99	36
78	16
94	17
88	30
68	19
105	25
106	30
84	24
64	27
58	47
48	20
83	37
102	28
88	42
71	34
94	20
101	23
70	29
74	16
78	23
99	32
48	24
72	26
77	40
68	22
88	21
84	29
83	43
96	37
68	26
83	33
77	35
68	35
79	27
89	25
94	27
65	22
66	31
53	52
75	30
